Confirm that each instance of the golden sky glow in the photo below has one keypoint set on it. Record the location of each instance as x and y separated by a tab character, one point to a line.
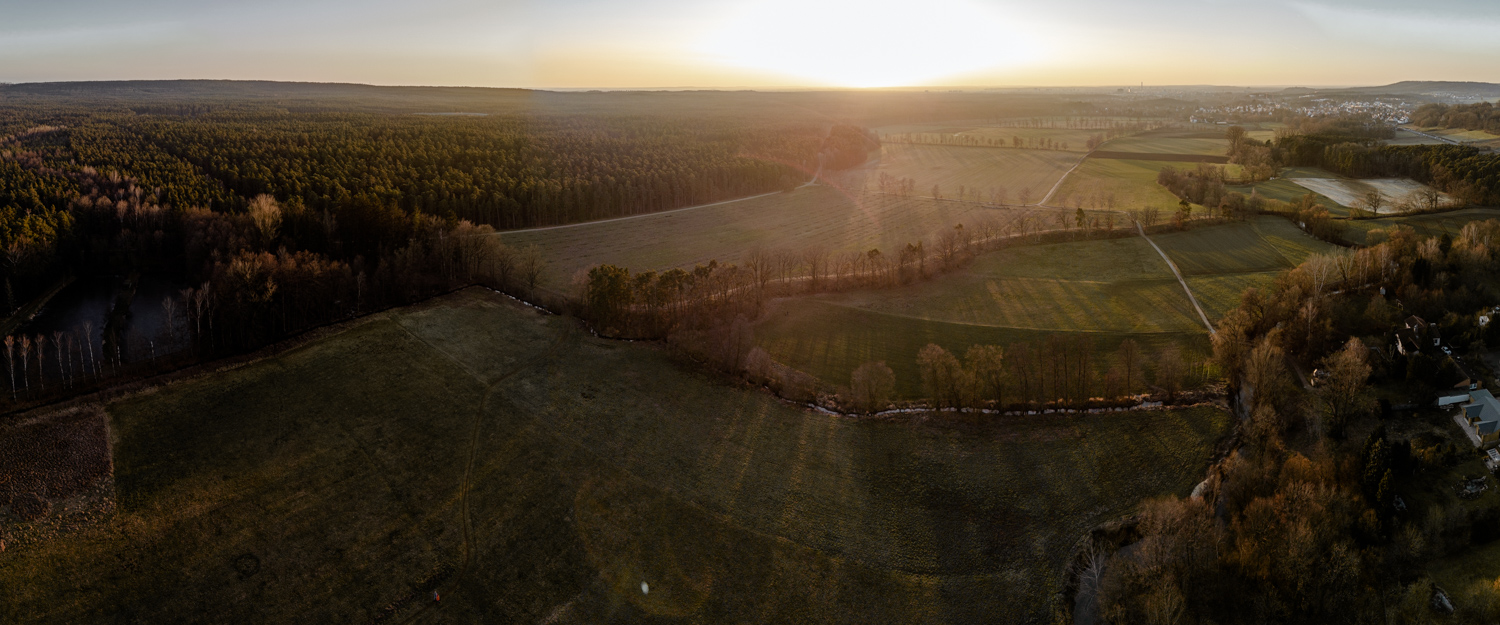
756	43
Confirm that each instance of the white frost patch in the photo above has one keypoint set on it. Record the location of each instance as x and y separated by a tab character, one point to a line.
1350	192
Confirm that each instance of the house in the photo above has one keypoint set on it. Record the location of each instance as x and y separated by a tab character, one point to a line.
1482	415
1466	378
1407	342
1422	330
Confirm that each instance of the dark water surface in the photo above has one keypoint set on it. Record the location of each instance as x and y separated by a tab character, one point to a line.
135	334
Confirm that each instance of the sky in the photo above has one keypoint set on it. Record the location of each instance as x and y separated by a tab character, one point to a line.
754	43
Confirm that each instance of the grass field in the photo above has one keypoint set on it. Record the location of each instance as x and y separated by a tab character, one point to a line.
1467	137
1132	182
1287	191
1110	290
1435	224
973	167
1159	143
823	216
532	473
830	340
1077	139
1219	263
812	216
1116	285
1261	244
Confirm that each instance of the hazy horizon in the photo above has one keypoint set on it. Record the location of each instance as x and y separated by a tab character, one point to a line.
775	44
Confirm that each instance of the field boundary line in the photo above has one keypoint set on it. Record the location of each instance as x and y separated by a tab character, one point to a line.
1058	185
466	486
1255	226
1180	280
472	373
1001	327
651	214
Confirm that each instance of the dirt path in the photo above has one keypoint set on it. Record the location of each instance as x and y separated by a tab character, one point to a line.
466	485
1180	280
653	214
1058	185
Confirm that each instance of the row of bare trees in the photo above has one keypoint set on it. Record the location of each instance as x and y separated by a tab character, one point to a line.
67	359
1059	371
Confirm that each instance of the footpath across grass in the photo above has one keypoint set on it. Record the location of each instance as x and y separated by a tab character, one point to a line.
532	473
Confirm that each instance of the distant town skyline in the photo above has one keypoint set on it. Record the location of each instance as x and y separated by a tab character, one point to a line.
760	44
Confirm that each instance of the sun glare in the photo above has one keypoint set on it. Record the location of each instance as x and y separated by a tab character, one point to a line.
870	43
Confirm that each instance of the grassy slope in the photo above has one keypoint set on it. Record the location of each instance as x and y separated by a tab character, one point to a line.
339	466
1219	263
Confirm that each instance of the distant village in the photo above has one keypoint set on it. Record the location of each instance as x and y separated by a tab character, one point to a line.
1393	111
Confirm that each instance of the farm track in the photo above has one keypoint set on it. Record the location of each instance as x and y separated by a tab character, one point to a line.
466	485
1180	280
1058	185
651	214
809	183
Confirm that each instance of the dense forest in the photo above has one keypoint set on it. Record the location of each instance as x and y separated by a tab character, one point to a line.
1355	149
1303	523
282	220
1480	116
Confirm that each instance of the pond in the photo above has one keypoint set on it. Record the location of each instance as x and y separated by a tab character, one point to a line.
123	317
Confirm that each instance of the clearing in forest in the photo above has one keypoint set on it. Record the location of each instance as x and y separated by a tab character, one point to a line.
530	473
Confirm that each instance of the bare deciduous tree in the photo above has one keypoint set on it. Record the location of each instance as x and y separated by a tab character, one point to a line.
872	385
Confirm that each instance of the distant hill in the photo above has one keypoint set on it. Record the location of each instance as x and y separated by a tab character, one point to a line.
192	97
1435	87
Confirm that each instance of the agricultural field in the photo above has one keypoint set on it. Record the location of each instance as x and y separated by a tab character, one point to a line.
1432	224
1131	182
1285	190
1195	143
1347	191
1220	262
1118	285
978	168
1261	244
1077	140
532	473
817	216
1108	289
1440	136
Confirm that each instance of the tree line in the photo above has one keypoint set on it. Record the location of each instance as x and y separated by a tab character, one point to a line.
1300	523
1478	116
503	171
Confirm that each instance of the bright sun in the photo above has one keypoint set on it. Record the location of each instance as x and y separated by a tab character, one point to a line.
870	43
